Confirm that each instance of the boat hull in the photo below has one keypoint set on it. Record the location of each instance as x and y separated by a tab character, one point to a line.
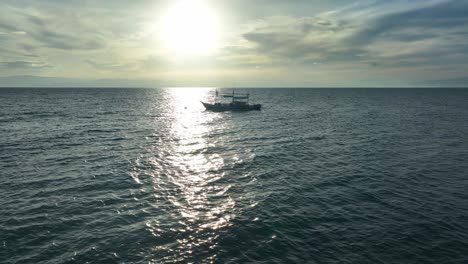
233	107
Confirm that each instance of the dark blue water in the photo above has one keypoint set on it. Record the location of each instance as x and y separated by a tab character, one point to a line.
318	176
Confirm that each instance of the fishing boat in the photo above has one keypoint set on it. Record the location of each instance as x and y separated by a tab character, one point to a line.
239	102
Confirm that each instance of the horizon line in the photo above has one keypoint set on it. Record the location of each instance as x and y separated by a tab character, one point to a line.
244	87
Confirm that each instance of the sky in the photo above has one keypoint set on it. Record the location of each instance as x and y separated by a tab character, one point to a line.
234	43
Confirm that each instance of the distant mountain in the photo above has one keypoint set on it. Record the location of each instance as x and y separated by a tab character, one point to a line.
56	82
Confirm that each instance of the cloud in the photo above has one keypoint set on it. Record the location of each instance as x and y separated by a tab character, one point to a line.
292	40
107	65
439	18
43	29
65	41
7	26
342	36
24	64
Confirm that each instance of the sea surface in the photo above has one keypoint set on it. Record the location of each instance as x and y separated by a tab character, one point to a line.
317	176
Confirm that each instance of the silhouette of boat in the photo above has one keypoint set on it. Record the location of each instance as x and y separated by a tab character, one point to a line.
239	102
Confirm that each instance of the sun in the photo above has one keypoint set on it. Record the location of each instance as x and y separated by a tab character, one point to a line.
190	27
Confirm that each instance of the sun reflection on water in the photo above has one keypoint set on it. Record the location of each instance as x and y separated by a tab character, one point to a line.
189	178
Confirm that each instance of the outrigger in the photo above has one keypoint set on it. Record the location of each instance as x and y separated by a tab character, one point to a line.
240	102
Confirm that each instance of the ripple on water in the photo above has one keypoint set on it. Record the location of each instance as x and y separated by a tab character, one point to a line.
147	176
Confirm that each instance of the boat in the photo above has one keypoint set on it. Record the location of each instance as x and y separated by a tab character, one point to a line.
239	103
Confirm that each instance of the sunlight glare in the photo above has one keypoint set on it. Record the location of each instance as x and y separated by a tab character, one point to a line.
190	27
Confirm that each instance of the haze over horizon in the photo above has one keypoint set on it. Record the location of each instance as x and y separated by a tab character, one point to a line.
242	43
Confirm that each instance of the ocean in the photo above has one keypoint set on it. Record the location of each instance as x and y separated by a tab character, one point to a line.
317	176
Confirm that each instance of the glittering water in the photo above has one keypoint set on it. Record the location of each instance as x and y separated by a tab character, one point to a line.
318	176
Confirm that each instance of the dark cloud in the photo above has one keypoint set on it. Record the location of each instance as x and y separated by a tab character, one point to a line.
296	39
35	20
405	37
50	33
27	47
7	26
310	40
300	41
24	65
278	44
439	18
272	41
106	65
64	41
31	55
